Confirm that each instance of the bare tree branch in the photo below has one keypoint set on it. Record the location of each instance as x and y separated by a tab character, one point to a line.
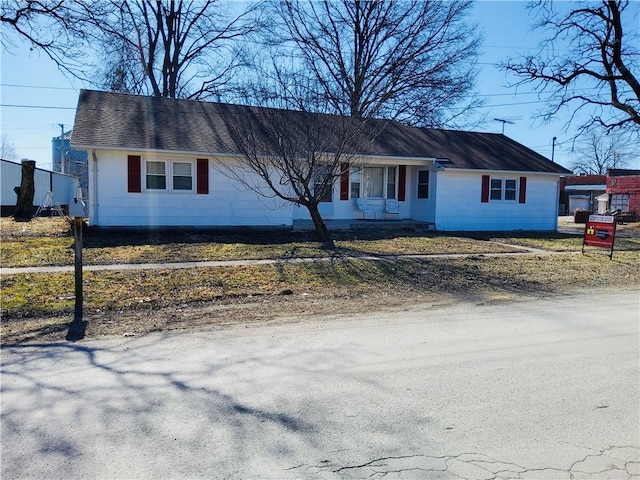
298	154
602	59
405	60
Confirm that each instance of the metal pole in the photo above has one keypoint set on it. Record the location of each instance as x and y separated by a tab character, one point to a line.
62	169
553	148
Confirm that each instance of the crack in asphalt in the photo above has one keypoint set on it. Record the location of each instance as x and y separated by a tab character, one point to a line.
623	461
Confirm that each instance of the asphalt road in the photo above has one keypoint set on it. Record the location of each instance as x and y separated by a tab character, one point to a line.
545	388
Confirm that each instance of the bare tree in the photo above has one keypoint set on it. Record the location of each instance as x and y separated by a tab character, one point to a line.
599	152
413	61
177	49
589	62
7	148
294	155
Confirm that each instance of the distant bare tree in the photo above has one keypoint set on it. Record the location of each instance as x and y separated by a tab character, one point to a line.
7	148
589	63
413	61
599	152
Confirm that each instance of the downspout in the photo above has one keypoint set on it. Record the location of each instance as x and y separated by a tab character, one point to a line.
94	221
557	202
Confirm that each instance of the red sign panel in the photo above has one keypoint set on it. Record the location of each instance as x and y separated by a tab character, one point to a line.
600	231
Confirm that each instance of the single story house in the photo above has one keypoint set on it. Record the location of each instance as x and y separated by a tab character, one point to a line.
155	162
50	188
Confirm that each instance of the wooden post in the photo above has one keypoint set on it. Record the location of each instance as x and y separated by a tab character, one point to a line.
77	327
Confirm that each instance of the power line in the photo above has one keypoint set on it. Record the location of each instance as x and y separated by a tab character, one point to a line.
6	105
43	87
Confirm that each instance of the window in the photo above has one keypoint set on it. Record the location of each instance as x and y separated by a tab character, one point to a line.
391	182
620	201
374	182
509	189
355	182
496	189
182	177
151	175
322	184
423	184
156	176
503	189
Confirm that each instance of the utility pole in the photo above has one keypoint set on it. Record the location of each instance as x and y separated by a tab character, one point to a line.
61	125
553	148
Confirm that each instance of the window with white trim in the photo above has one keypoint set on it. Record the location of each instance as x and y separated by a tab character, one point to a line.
183	176
156	174
356	176
373	182
322	183
391	182
180	174
503	189
423	183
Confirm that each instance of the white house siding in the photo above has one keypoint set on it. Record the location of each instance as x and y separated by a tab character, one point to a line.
227	204
459	206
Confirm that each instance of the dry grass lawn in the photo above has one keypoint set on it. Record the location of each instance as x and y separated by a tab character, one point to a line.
38	307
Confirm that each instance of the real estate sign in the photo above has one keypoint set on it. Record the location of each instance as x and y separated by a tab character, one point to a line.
600	231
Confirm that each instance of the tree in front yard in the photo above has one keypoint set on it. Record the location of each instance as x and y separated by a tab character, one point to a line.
294	155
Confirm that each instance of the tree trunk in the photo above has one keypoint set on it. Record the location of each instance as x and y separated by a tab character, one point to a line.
321	228
24	205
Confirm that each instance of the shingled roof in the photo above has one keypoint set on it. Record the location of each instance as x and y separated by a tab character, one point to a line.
134	123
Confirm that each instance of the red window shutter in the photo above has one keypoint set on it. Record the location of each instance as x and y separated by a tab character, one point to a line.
202	176
523	190
485	189
344	181
402	182
134	174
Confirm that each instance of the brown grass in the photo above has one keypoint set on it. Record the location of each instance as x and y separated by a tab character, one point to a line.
38	307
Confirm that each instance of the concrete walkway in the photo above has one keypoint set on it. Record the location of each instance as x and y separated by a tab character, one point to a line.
234	263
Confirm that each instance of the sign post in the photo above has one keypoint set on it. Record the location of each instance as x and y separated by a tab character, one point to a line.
600	231
78	325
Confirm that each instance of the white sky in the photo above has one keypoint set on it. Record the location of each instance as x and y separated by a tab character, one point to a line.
35	97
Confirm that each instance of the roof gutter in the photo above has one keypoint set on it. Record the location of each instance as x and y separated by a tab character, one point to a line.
375	158
502	172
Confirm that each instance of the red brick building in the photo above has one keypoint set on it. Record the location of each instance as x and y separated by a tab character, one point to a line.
623	187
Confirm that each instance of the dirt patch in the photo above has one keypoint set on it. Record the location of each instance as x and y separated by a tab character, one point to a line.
227	312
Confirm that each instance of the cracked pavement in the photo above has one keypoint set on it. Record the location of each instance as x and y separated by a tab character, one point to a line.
542	388
610	463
